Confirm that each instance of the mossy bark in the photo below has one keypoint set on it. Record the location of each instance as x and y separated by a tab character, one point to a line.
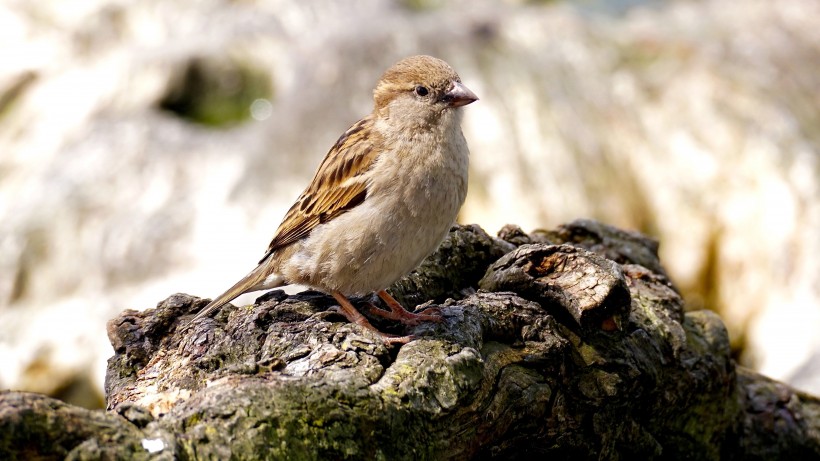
576	345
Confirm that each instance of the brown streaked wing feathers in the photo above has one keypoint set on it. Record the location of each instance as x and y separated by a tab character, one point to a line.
326	198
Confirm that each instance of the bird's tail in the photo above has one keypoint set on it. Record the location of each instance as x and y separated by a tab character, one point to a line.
258	279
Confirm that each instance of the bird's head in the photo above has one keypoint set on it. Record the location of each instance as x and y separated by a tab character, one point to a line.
418	91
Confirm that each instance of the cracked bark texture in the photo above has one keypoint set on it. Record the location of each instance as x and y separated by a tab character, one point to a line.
581	350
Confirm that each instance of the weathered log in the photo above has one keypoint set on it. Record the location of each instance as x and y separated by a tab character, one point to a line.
562	353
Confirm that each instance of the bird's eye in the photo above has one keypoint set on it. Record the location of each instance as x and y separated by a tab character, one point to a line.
422	91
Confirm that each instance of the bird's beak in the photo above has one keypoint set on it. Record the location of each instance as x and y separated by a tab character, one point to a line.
459	95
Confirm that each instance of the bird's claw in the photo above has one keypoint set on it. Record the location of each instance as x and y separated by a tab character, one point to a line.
433	312
390	340
406	317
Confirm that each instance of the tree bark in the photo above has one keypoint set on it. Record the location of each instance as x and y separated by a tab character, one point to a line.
575	346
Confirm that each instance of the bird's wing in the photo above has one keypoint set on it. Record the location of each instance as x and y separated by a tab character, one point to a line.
339	185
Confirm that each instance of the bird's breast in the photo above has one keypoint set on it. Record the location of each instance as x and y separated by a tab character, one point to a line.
414	195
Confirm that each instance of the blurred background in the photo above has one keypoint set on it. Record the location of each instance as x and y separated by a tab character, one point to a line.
152	147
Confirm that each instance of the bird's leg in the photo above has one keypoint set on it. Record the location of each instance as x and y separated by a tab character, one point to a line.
397	312
356	317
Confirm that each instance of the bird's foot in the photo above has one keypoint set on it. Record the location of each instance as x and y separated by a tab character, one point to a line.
406	317
352	315
400	314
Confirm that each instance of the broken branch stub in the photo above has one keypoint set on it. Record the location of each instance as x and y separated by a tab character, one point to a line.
563	278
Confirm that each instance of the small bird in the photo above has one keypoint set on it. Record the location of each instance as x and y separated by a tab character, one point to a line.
382	200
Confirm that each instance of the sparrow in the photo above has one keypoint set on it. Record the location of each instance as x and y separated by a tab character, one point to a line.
381	201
